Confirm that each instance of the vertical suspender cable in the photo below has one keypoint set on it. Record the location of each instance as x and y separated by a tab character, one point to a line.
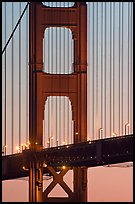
110	68
79	82
128	68
113	66
5	141
49	64
80	77
97	79
60	87
64	64
56	73
131	67
122	75
44	60
88	73
75	121
51	98
44	141
93	71
12	83
44	118
75	50
88	61
27	75
102	65
20	80
119	61
68	86
35	77
72	119
105	79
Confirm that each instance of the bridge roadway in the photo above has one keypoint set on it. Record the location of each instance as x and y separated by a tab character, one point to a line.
90	154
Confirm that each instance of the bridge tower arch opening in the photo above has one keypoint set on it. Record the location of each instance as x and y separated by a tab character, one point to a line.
58	51
43	85
58	122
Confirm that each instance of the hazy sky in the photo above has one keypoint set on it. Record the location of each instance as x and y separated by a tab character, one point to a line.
104	184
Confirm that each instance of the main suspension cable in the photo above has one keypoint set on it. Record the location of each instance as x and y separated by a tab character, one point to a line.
15	27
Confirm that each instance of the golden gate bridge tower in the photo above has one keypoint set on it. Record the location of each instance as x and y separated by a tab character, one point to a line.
43	85
61	73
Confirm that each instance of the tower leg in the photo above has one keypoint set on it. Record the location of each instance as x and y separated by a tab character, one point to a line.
35	182
74	86
80	184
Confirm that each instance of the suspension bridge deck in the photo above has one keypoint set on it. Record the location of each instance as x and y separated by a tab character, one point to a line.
89	154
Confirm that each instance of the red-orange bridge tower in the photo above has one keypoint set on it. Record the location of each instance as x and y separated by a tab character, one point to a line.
43	85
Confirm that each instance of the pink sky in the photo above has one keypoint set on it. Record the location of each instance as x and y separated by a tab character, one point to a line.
105	184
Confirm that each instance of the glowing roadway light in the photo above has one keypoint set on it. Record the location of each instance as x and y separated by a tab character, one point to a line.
24	168
25	146
48	142
22	146
44	165
63	167
114	134
127	125
18	149
64	142
100	135
52	141
28	144
5	146
90	142
88	139
4	149
36	143
76	133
